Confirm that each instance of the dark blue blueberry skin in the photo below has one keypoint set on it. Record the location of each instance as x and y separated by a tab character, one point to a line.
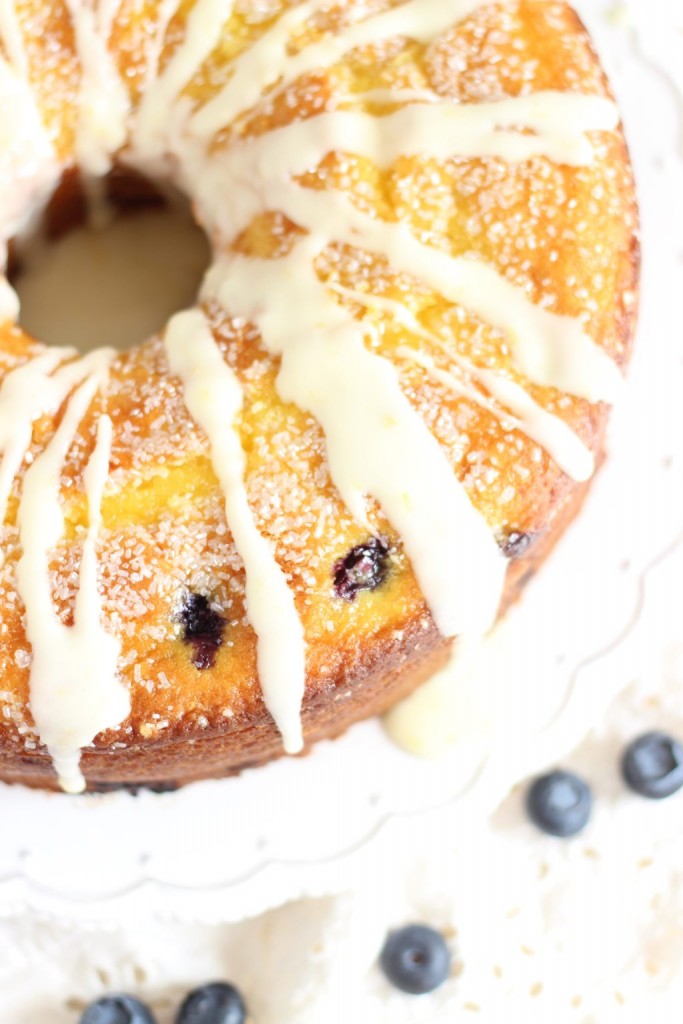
364	568
202	629
559	803
652	765
215	1003
416	959
117	1009
515	544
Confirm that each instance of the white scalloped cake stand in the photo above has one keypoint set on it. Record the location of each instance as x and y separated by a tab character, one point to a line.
225	850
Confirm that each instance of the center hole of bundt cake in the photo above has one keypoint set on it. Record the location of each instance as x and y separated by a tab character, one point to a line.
108	267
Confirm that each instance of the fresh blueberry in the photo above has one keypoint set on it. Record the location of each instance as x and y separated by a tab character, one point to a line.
202	628
652	765
117	1009
416	959
215	1003
516	544
559	803
364	568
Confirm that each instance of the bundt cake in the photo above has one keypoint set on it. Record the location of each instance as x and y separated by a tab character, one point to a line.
270	520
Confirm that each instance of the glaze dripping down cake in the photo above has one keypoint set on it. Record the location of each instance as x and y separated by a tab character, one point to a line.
270	520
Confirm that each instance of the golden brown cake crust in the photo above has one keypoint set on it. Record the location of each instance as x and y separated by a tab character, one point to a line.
569	236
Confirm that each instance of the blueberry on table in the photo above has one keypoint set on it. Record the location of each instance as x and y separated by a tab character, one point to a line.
559	803
215	1003
117	1009
652	765
416	959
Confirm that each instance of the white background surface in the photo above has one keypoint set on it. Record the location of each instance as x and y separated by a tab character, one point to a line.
217	852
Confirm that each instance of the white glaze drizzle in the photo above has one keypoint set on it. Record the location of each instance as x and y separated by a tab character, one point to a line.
213	397
74	690
377	445
104	104
265	62
28	167
166	11
526	415
269	61
548	430
27	393
12	37
232	186
440	129
550	349
9	301
202	33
